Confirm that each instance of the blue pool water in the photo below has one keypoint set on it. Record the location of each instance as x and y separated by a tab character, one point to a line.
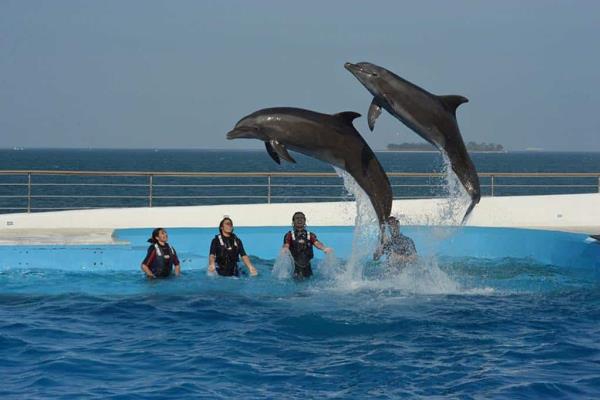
484	313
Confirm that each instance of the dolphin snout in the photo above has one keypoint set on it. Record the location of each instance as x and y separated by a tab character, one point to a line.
241	133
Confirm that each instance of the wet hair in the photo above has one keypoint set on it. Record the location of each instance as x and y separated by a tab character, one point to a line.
394	226
223	221
298	213
155	233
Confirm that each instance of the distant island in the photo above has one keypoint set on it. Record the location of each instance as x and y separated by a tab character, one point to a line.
471	146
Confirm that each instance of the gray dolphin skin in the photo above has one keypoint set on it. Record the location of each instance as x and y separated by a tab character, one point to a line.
329	138
431	117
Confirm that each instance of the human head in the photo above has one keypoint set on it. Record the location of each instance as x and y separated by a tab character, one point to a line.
298	220
392	222
157	235
225	221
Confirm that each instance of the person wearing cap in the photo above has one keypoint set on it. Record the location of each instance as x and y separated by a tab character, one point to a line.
300	243
225	252
161	257
397	247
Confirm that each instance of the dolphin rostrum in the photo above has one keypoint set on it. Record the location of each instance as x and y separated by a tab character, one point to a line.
329	138
431	117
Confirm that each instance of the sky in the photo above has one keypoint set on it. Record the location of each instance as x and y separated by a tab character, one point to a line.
180	74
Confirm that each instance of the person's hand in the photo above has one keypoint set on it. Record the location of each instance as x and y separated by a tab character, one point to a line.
210	270
327	250
253	271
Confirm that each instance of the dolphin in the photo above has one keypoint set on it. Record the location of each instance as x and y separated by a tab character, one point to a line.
329	138
431	117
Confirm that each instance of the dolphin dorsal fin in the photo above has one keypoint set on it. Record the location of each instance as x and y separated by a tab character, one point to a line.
347	116
280	150
453	101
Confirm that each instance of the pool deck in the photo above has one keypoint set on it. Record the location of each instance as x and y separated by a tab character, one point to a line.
578	213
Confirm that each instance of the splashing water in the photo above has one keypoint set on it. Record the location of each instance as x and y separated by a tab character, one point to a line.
360	272
421	276
283	266
452	210
366	230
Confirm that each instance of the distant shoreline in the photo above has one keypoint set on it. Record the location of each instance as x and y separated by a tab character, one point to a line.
435	151
262	149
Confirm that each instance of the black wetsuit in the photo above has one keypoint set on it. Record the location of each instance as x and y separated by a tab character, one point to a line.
160	259
301	246
227	252
400	245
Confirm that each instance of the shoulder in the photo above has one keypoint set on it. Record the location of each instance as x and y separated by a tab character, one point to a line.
313	237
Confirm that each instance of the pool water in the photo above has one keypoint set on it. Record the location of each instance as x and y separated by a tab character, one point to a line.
483	313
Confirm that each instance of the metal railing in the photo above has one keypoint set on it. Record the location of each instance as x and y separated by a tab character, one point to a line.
29	190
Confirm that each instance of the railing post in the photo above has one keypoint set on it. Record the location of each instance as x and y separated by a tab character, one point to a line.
269	189
598	184
150	190
492	184
28	192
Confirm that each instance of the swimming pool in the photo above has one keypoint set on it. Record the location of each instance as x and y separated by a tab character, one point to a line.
485	312
545	247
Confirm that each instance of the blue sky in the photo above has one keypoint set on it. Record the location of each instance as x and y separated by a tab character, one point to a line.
180	74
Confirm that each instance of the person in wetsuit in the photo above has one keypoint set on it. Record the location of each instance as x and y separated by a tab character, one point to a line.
300	243
225	251
397	247
161	257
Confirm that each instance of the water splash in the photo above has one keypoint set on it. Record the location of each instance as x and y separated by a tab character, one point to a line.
283	266
421	276
366	230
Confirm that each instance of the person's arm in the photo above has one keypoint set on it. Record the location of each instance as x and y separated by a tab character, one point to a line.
319	245
148	261
211	263
248	264
147	271
176	262
286	243
245	258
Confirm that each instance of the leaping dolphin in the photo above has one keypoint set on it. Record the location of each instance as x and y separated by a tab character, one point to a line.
431	117
329	138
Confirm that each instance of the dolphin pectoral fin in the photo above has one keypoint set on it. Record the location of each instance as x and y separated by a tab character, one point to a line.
272	153
452	102
281	151
374	113
347	116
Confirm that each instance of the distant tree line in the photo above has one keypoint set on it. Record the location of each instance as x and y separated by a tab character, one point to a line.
471	146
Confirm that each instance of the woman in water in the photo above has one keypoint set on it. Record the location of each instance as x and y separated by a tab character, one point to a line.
161	256
225	251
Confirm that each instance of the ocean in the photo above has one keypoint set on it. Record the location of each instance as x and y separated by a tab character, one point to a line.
446	327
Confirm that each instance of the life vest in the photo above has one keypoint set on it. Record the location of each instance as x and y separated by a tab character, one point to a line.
162	265
227	256
301	247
